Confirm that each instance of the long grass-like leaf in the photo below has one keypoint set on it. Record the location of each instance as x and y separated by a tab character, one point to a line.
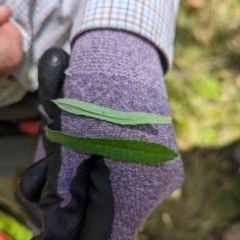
134	151
78	107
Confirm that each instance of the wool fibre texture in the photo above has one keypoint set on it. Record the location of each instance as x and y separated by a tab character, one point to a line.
119	70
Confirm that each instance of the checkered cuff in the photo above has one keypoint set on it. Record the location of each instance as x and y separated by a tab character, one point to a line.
151	19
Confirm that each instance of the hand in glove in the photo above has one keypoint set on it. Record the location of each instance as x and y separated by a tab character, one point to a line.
38	192
111	199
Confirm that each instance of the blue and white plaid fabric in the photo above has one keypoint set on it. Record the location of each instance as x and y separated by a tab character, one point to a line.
152	19
45	23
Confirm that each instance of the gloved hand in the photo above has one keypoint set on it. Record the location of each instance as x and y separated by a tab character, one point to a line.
110	199
38	192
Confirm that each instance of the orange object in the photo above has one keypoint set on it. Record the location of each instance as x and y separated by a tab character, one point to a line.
3	236
30	127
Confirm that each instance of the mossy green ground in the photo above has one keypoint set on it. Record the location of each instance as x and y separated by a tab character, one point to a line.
207	203
204	94
204	85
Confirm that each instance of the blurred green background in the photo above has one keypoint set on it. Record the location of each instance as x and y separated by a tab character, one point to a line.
204	85
204	95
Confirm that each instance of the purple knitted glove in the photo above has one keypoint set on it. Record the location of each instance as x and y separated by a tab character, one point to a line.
122	71
88	197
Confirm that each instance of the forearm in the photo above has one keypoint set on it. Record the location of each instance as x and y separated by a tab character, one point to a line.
153	20
44	25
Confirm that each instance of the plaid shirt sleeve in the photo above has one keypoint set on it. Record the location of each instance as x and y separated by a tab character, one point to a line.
45	23
151	19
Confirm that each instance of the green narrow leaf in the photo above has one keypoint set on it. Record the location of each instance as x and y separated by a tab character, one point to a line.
134	151
78	107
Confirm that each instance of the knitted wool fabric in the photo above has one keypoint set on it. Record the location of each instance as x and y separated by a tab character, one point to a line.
122	71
